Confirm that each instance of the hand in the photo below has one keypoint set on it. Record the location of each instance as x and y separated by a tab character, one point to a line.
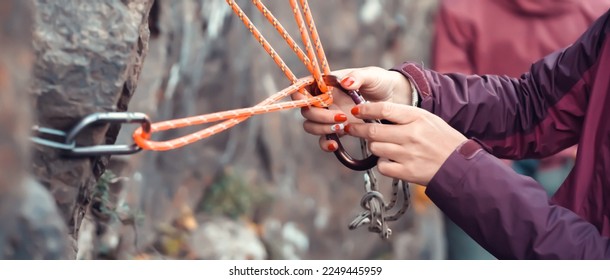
374	83
412	149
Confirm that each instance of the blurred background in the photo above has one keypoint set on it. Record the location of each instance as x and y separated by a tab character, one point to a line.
261	190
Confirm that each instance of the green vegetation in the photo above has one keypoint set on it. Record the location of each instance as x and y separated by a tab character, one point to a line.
231	196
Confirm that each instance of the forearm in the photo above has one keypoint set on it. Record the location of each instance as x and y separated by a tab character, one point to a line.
536	115
509	214
512	116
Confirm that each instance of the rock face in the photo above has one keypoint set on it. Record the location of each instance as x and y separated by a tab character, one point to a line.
31	225
89	56
202	60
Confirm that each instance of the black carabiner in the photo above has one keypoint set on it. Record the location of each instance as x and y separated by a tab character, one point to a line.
342	155
69	147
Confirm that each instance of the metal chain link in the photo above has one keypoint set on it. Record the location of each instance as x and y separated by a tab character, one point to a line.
375	209
66	141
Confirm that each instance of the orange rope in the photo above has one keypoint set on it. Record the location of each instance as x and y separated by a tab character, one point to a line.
236	116
261	39
233	117
308	47
314	36
280	29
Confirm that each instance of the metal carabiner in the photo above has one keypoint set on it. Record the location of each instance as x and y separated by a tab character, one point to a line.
69	147
342	155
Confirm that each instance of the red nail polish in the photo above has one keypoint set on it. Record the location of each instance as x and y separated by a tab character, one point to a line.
332	147
355	110
348	81
347	128
340	118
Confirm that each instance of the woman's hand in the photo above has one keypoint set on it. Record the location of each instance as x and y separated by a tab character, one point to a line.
412	149
374	84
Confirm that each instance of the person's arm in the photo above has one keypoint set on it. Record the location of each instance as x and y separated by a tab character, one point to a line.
509	214
452	39
536	115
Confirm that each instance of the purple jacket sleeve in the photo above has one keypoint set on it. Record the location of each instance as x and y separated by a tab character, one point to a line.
509	214
539	114
536	115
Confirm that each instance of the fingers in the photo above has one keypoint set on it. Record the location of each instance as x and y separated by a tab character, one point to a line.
323	116
392	151
396	113
297	96
321	122
328	145
392	159
390	168
323	129
378	132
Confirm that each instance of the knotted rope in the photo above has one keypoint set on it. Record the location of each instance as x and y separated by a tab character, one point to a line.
375	209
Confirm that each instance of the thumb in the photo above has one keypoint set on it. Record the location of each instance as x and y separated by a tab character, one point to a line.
363	79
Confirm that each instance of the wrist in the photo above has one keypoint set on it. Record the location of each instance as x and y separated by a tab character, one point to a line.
416	77
403	91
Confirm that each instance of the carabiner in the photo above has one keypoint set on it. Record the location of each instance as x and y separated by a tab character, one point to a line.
342	155
69	147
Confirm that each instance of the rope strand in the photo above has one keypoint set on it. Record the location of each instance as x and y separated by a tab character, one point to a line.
282	31
315	37
308	46
375	209
232	117
264	43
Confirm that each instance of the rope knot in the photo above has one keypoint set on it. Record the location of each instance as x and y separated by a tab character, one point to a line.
324	100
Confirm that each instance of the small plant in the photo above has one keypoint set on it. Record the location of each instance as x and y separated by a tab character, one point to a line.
231	196
100	198
105	207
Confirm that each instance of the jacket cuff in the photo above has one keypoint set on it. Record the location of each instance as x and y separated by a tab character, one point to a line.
450	176
416	76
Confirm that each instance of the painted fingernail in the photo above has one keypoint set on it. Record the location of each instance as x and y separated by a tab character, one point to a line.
347	81
347	128
332	147
340	118
337	127
355	110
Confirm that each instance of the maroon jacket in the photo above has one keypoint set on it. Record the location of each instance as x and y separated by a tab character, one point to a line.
563	100
504	37
490	37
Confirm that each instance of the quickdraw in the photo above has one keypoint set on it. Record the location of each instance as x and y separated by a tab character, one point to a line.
321	82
